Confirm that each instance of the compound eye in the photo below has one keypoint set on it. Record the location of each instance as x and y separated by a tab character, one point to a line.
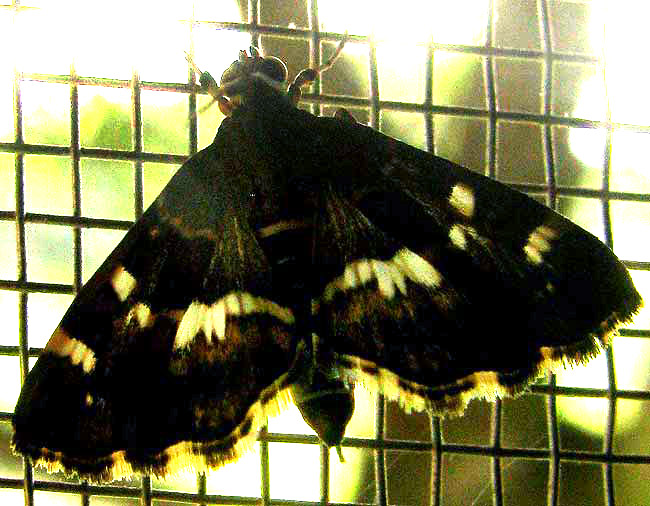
274	68
231	73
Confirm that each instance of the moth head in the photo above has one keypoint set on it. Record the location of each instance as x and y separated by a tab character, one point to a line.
269	68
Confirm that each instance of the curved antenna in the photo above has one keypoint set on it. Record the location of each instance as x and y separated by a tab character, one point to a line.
325	66
307	76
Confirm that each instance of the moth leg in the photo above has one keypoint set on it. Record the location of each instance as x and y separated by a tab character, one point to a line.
307	76
344	115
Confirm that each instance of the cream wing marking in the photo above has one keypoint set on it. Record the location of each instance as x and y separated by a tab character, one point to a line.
539	242
391	274
462	199
63	345
458	235
122	282
211	319
142	314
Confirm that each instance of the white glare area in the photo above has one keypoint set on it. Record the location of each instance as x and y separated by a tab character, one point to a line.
215	50
401	73
6	78
241	479
10	497
586	147
587	413
103	39
626	81
111	39
581	411
45	312
299	479
401	55
9	314
630	162
10	367
55	499
626	86
459	22
627	75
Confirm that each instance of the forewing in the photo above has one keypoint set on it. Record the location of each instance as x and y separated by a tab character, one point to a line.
173	353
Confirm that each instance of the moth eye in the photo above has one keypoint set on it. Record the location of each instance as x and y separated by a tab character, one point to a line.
231	73
274	68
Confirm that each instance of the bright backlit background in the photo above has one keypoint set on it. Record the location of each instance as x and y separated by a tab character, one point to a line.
450	76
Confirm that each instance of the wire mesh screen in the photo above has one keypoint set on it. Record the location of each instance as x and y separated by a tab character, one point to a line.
99	108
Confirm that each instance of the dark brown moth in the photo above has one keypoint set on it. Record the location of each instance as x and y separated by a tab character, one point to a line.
292	258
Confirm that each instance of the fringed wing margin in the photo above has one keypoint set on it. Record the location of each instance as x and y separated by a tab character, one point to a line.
172	355
439	285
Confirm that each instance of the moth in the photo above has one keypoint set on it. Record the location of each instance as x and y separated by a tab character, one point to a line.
293	258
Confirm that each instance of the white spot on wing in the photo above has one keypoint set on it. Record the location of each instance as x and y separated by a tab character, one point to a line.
533	255
190	324
143	314
232	304
219	312
462	199
77	352
122	282
247	302
350	277
417	268
390	274
539	242
364	270
63	345
83	355
384	281
457	237
212	319
397	277
208	326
